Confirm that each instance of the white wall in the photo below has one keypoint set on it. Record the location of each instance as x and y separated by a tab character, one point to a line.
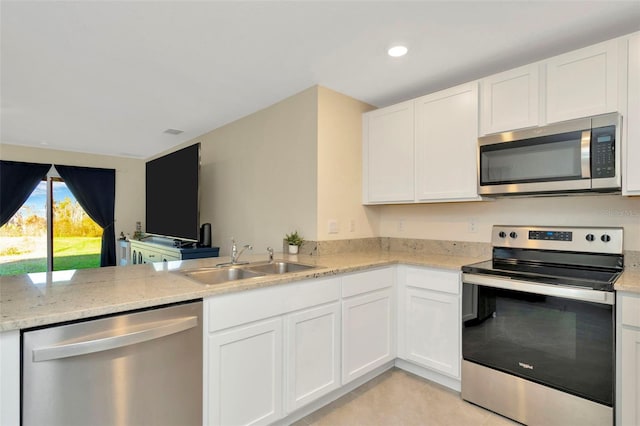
340	168
129	203
451	221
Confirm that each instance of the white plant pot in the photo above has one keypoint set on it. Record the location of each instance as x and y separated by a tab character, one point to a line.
293	249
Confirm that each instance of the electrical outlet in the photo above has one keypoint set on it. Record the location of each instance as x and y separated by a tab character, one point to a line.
352	225
333	226
401	225
472	226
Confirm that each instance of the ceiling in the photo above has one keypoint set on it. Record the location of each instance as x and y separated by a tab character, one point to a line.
109	77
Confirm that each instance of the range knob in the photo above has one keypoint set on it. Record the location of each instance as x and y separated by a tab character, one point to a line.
513	234
605	238
590	237
502	234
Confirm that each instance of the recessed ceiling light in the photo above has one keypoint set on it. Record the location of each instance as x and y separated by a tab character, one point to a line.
397	51
173	131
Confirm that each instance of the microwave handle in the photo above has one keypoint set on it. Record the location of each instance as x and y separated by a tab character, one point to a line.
585	154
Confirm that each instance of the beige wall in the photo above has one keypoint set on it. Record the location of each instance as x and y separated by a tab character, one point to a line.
451	221
340	168
129	203
258	175
297	165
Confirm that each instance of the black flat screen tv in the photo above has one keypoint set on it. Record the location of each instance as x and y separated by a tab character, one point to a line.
172	195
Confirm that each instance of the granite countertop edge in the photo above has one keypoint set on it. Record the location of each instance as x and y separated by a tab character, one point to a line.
93	293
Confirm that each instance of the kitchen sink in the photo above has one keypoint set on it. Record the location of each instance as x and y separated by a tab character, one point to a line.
220	275
279	267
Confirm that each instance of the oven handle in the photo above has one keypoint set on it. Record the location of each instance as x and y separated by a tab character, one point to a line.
604	297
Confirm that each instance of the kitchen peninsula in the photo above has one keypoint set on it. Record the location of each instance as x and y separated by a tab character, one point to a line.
344	281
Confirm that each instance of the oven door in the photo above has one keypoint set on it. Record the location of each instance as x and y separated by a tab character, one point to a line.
564	341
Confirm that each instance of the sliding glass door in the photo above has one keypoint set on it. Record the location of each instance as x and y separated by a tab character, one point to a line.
50	232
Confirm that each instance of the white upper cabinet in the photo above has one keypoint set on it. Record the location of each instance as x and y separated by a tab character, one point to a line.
631	125
423	150
446	134
510	100
577	84
582	83
388	167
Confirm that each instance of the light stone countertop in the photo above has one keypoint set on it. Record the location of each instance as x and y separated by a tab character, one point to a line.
629	281
39	299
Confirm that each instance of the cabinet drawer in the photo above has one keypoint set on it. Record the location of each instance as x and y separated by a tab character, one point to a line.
630	310
433	279
364	282
248	306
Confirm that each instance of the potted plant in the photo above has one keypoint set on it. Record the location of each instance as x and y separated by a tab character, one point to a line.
294	240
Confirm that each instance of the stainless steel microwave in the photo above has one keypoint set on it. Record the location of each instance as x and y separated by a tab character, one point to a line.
575	156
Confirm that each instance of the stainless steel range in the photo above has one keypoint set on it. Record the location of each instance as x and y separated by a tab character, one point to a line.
538	332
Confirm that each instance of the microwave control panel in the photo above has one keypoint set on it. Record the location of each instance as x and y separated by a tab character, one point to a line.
603	155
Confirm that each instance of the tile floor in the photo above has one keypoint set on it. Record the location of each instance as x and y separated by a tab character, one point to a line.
398	398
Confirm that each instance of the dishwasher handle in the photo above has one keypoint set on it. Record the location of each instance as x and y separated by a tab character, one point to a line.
159	329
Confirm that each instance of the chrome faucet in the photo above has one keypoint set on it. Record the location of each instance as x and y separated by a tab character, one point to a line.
235	255
270	251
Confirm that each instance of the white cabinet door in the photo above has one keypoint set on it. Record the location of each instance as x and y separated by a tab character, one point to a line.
367	336
630	398
313	354
510	100
631	124
446	144
387	152
245	374
582	83
10	378
432	330
628	359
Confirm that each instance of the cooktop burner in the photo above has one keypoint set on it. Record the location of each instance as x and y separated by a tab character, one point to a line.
569	256
548	274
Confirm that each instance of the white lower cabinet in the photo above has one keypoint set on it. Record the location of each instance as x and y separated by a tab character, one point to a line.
628	391
270	351
10	378
430	327
368	320
313	354
245	374
274	352
429	319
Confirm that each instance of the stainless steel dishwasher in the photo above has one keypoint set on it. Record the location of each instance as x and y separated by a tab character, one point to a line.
142	368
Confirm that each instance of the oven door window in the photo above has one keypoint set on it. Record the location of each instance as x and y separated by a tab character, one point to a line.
543	159
562	343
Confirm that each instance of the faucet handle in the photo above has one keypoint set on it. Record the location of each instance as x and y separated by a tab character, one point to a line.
270	251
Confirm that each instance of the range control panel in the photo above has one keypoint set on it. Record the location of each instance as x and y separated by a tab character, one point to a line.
551	235
579	239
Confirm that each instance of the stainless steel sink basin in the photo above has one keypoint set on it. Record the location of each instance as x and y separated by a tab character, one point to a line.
279	267
220	275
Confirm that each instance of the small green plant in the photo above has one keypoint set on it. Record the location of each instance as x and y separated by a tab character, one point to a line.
294	239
